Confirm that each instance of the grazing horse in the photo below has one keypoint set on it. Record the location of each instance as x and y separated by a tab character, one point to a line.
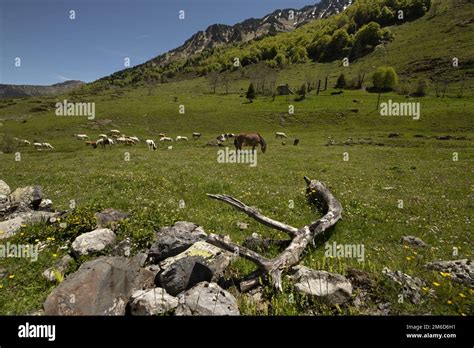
249	139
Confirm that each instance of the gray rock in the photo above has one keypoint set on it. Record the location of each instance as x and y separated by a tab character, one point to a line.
110	218
102	286
9	227
59	268
412	240
171	241
152	302
46	205
183	274
410	286
461	271
123	248
207	299
30	196
215	258
330	287
242	225
15	220
93	242
4	188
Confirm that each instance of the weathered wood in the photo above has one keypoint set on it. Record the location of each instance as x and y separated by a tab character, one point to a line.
300	237
255	214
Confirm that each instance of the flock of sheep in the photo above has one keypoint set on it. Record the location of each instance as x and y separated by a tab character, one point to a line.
117	137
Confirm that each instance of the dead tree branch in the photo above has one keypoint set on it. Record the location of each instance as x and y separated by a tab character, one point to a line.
300	237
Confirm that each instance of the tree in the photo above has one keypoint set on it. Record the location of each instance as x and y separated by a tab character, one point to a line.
385	78
280	60
317	48
367	38
341	82
213	78
339	46
251	93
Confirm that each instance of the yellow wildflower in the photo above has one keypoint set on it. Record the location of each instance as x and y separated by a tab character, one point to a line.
462	295
436	284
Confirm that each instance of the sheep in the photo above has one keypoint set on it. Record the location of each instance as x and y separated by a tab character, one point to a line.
162	135
151	144
221	138
43	146
196	135
103	142
81	136
103	136
115	131
179	137
125	140
280	135
166	139
134	139
22	142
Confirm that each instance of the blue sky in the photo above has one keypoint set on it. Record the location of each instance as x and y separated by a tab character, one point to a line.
53	48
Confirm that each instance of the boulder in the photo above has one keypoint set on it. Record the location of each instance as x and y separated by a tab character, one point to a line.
123	248
93	242
330	287
110	218
9	227
46	205
461	271
412	240
213	257
152	302
5	206
171	241
410	286
102	286
183	274
4	188
207	299
30	196
58	269
242	225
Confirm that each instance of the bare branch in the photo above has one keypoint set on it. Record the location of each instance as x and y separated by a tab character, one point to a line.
300	238
255	214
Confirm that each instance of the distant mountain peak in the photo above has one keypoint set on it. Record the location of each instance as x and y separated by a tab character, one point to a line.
253	28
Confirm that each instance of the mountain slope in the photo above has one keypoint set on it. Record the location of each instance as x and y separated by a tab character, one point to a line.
10	91
278	21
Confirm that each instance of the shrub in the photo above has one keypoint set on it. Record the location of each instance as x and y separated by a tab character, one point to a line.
251	93
385	78
341	82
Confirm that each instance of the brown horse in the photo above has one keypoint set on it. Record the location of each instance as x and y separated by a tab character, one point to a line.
249	139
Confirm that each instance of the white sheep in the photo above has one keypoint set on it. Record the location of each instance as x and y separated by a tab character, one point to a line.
151	144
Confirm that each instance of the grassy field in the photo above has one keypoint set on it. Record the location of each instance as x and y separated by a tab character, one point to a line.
436	191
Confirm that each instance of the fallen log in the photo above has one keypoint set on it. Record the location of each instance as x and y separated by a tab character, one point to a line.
300	238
